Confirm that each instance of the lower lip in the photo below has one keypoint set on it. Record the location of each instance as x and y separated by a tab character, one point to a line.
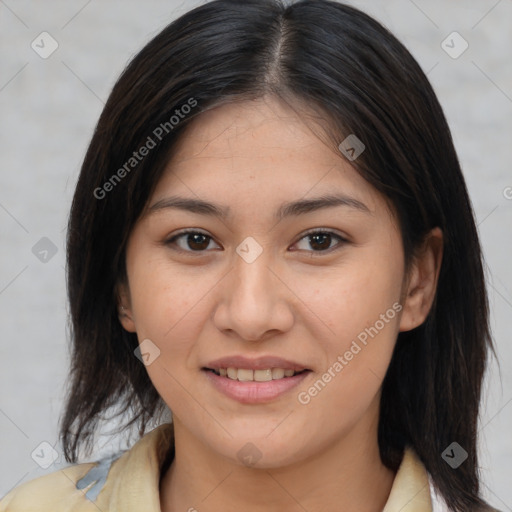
252	392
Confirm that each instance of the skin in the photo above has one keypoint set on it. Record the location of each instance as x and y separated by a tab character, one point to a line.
295	301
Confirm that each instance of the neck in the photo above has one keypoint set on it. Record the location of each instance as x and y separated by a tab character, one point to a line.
348	475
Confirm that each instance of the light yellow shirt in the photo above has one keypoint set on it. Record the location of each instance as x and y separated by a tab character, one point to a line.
130	483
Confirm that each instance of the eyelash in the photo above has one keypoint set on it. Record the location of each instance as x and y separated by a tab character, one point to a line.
341	241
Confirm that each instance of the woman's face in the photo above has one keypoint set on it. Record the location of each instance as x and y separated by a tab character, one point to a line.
283	273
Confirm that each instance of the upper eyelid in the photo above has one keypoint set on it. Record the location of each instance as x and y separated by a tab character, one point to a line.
322	230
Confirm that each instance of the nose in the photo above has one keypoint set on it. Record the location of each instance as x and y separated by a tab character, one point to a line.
254	302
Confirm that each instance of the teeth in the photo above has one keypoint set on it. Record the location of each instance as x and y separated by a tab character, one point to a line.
277	373
246	375
262	375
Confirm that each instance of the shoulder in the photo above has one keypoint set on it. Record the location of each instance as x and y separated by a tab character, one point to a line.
128	480
55	492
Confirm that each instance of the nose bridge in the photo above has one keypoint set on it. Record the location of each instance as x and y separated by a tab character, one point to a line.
253	302
253	286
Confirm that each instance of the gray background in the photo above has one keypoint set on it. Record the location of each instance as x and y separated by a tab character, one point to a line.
49	108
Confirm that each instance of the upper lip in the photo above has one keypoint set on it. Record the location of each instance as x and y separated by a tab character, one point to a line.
257	363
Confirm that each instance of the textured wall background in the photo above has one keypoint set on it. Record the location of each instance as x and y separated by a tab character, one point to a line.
49	107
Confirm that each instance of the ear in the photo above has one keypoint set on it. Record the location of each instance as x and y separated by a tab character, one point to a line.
421	283
124	307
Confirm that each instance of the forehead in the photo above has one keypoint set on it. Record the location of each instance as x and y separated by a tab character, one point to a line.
261	129
256	151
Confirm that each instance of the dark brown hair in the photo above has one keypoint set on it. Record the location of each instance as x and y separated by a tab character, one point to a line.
359	79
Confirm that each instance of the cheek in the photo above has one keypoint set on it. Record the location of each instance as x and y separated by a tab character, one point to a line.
163	296
360	306
352	296
169	309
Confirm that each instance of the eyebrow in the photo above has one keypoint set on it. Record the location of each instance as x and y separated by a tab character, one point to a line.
293	208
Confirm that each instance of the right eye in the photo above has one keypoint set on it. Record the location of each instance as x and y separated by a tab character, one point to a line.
190	241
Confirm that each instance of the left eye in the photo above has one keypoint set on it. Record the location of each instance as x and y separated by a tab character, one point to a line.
320	241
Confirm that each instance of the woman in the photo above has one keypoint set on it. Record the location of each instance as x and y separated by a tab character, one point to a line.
272	238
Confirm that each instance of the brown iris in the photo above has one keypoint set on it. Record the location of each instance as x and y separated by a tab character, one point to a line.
197	241
320	241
